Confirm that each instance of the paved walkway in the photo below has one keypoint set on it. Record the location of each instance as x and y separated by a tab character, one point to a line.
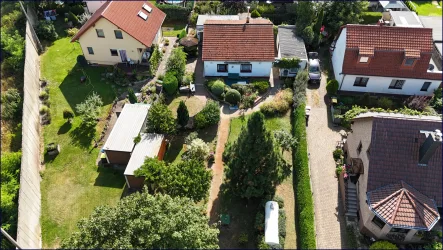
322	137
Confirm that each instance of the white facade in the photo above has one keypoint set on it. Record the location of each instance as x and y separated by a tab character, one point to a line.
94	5
259	69
375	84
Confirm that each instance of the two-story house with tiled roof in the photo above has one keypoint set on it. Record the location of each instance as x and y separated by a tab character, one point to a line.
385	59
395	185
241	47
121	31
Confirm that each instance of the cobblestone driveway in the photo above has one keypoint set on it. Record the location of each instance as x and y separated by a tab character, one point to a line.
322	137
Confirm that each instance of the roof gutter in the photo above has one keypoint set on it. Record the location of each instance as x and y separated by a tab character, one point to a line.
342	80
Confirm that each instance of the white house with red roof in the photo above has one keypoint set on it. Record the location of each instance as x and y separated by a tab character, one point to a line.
386	60
121	31
240	48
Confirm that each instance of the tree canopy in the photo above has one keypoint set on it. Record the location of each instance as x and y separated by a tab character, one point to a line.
338	13
142	220
160	119
305	16
185	179
90	108
177	63
254	163
182	114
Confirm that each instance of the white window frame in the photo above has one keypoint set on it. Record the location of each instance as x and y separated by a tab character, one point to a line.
397	84
364	59
246	65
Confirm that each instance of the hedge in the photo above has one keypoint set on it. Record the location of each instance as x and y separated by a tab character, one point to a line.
302	186
371	17
174	12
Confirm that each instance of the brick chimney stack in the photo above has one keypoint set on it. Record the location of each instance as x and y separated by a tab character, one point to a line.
429	146
247	18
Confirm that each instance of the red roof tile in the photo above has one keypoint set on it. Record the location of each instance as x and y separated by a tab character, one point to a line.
124	15
400	205
391	45
238	40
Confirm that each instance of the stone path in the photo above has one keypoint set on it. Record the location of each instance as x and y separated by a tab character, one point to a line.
322	137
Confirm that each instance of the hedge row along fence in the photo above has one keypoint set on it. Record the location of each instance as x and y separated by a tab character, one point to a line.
302	183
175	13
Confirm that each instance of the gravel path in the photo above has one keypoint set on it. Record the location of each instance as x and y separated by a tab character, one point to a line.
322	137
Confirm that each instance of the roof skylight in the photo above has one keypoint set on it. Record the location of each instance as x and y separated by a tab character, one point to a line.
142	15
147	8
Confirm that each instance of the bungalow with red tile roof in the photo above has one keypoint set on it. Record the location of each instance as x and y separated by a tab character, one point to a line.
121	31
385	60
243	48
394	187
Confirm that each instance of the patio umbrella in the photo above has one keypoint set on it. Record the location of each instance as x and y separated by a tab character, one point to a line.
188	41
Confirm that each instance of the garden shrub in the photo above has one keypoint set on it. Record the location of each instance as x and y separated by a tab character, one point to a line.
170	83
302	186
280	104
385	103
371	17
187	79
10	175
247	101
72	31
347	100
197	150
90	109
337	154
44	109
417	102
68	114
233	96
255	14
280	201
209	115
218	88
131	96
11	104
77	9
193	18
174	12
83	18
182	34
12	48
182	114
177	63
436	101
73	18
332	87
46	30
243	88
155	60
383	244
261	86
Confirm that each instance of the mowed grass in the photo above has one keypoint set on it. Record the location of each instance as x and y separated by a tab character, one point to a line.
284	190
72	185
194	105
426	8
173	29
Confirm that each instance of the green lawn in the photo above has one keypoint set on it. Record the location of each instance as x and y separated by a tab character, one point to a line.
426	8
173	29
72	184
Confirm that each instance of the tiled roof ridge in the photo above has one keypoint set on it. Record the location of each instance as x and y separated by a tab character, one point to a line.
423	204
415	207
388	197
398	204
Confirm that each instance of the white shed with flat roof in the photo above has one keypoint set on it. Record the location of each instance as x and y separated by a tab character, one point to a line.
150	145
203	18
130	123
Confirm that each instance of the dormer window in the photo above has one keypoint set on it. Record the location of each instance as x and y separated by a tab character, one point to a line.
364	59
409	61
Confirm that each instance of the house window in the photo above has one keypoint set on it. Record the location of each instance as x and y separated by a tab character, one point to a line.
399	230
118	34
397	84
359	148
409	61
246	68
379	222
364	59
90	51
100	33
222	68
425	86
361	81
114	52
293	70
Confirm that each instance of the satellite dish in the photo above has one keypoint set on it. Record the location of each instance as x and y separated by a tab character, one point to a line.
431	67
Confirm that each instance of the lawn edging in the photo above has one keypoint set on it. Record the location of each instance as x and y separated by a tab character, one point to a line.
302	183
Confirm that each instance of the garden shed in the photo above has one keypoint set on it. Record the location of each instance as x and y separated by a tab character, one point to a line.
291	46
202	19
150	145
120	143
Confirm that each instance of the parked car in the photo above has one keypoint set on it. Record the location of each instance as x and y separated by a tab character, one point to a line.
314	68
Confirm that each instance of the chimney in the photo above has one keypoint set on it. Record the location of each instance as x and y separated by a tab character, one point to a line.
429	146
247	17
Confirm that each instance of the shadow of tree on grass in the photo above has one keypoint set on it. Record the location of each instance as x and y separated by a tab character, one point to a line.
83	135
64	128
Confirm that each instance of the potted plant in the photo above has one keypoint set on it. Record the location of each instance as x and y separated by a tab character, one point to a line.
52	148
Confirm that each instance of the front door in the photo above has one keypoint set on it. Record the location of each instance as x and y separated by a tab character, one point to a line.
234	68
123	55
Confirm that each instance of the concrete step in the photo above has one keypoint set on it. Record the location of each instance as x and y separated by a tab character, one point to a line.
351	207
353	194
351	214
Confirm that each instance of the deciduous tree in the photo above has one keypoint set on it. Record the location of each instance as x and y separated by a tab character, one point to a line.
177	62
90	109
254	164
305	16
338	13
285	140
145	221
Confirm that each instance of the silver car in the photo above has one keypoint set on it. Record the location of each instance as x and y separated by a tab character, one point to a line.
314	68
